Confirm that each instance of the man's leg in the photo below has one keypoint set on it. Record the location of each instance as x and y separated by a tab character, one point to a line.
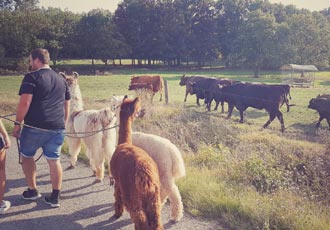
29	169
55	169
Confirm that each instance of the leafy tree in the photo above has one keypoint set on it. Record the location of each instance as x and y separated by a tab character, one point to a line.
231	14
97	38
202	41
256	43
55	30
14	5
309	37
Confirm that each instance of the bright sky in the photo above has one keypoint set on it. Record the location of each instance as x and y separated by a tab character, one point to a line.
79	6
307	4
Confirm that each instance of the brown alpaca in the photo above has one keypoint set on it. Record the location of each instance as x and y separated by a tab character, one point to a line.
137	185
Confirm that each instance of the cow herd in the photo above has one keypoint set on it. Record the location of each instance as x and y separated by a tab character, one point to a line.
237	94
242	95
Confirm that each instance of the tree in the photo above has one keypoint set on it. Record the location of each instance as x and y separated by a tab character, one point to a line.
202	41
15	5
256	43
231	14
55	29
97	38
310	38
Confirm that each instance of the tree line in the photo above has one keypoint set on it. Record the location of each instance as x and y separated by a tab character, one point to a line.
252	34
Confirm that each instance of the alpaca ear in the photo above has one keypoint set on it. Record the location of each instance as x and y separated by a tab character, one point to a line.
136	103
136	100
125	97
75	74
62	74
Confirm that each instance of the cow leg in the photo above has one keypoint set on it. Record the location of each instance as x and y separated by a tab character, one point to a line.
161	96
185	97
230	110
286	101
280	118
216	105
319	122
272	116
241	113
197	100
328	120
222	107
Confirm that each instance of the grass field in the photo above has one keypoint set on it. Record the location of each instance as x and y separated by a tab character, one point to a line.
249	177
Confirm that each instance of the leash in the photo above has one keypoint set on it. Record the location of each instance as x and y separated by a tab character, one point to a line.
19	152
71	135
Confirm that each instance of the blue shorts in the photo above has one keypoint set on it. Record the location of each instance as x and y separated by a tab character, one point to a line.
50	142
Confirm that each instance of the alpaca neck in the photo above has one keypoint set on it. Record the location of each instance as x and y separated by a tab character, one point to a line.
76	100
125	131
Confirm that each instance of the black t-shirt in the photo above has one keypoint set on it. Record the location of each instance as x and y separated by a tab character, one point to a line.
49	91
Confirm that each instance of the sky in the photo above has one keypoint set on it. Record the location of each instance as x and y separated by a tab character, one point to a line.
307	4
79	6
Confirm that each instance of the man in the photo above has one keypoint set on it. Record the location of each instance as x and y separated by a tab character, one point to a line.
44	107
4	144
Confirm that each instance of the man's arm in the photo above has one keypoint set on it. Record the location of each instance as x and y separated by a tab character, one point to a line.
22	108
66	111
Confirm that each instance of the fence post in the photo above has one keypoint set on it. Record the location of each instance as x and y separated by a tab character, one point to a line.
166	91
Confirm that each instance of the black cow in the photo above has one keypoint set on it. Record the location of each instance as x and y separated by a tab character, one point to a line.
201	87
322	106
259	96
188	81
212	93
326	96
286	89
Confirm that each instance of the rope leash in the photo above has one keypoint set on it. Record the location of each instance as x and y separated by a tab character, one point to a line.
71	135
19	152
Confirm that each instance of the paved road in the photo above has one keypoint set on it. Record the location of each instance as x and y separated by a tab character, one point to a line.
84	204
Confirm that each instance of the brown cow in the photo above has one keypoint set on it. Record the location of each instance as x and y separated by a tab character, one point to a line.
139	82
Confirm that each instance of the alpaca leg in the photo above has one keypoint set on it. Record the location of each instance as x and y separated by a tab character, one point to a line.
99	171
175	203
139	219
152	209
163	195
74	149
109	150
96	156
119	206
111	180
93	167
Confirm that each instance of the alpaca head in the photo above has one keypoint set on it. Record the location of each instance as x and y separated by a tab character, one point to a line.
131	108
72	81
76	99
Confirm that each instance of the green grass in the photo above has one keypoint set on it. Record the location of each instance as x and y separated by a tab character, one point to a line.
246	176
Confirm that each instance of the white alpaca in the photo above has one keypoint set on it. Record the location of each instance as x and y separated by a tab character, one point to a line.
169	162
170	166
99	146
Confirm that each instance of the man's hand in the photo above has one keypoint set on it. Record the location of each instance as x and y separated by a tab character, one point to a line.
17	131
